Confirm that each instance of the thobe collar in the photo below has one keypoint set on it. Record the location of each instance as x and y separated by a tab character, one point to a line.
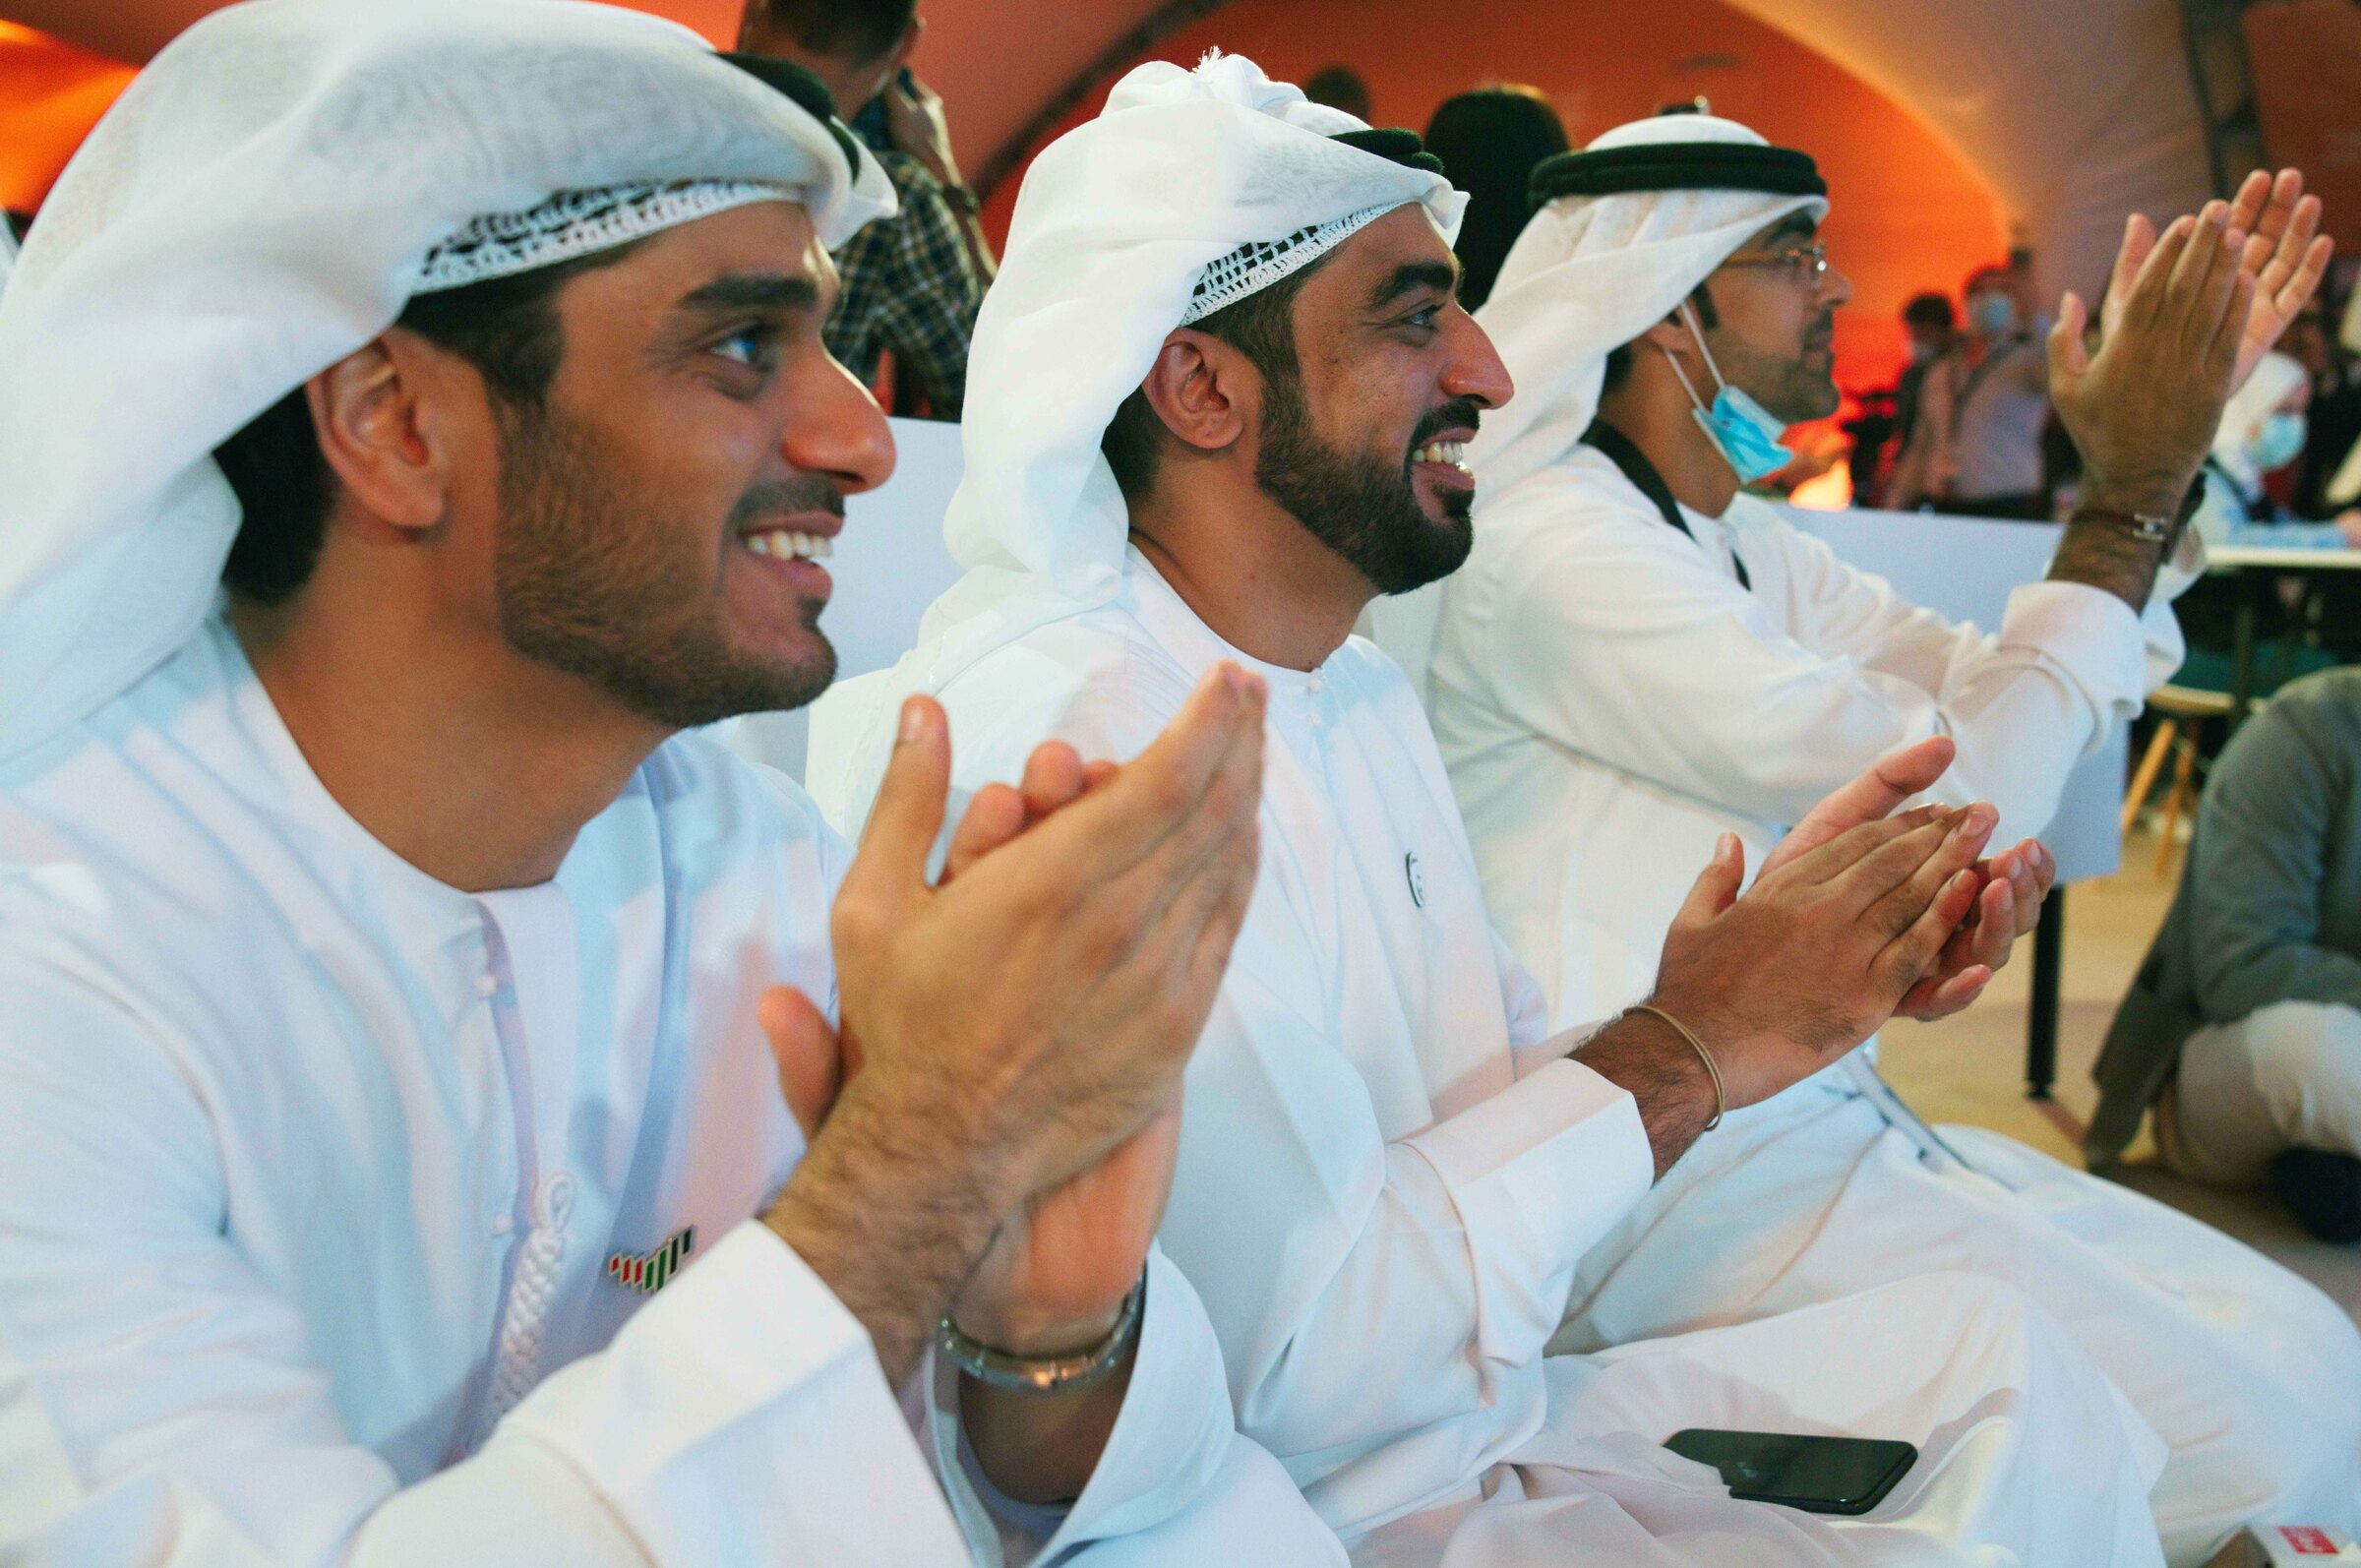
444	932
1169	618
1626	454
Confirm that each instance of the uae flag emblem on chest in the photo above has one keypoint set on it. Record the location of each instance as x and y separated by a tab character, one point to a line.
647	1271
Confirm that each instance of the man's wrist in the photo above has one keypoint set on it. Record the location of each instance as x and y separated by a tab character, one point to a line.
2147	496
891	1217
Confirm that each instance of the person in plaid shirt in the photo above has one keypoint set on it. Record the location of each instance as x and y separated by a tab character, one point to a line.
912	284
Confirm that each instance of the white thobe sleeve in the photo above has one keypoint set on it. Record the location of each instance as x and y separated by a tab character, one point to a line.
1604	628
1311	1238
1174	1472
158	1404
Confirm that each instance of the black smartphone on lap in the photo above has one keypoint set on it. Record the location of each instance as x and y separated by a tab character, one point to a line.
1818	1475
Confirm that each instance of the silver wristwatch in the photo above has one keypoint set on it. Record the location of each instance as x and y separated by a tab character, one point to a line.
1046	1375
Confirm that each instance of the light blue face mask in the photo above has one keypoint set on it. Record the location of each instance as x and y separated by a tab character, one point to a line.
2278	442
1993	312
1742	431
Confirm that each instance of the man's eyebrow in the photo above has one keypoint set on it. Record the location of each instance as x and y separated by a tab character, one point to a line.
1796	225
754	291
1439	276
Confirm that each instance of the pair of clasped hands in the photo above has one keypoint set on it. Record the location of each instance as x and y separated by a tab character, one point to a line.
1014	1035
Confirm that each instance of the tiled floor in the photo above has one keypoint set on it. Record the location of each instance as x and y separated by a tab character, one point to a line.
1971	1069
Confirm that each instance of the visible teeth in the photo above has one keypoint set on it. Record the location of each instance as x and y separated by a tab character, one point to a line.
782	544
1450	451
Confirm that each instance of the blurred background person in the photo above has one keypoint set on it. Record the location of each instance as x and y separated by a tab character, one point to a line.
2262	432
2244	1026
1340	87
1490	140
912	284
1975	445
2333	424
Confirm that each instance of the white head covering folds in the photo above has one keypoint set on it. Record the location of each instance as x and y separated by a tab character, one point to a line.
1114	230
1592	272
261	202
2276	375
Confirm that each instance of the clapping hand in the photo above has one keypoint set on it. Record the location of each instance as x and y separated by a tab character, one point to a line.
2013	885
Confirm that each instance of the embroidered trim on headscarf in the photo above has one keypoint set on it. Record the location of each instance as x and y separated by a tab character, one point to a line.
575	223
1254	268
1676	166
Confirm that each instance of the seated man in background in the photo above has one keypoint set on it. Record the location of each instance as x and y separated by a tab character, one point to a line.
911	280
396	1171
1639	659
2244	1026
1222	385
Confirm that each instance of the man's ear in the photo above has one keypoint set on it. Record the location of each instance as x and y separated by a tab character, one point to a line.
1670	334
366	411
1199	388
907	44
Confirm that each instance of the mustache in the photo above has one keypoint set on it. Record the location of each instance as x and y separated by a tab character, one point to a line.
784	499
1456	414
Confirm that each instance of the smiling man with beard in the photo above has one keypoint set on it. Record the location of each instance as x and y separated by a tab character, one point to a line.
1219	395
1640	659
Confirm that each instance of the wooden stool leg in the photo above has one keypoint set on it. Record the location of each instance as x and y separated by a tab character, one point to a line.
2144	777
2184	789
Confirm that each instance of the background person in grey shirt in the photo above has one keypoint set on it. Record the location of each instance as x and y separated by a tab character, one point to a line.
2244	1026
1975	445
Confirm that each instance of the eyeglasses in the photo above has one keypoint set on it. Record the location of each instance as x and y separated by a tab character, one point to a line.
1804	263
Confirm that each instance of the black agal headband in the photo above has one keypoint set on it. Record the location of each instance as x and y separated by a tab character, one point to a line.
1676	166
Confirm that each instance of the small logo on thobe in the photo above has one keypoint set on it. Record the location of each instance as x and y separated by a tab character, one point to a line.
647	1271
1418	883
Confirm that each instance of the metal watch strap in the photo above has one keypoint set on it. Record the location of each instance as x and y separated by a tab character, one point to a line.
2149	527
1046	1375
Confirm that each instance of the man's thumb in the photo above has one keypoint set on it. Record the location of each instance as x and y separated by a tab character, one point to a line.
811	1064
908	813
1717	886
2069	356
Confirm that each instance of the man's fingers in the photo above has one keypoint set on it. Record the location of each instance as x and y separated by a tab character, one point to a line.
1893	882
1848	848
908	815
1717	886
2069	356
1939	996
804	1044
2252	208
1874	795
1940	907
2157	271
1053	779
1153	796
996	814
2138	241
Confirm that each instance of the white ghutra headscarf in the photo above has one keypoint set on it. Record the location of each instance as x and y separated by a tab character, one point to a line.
261	202
1592	272
1192	190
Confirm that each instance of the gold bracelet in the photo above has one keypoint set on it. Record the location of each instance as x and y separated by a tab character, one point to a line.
1721	1100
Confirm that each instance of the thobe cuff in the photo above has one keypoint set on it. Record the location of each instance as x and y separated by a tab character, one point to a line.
1539	1172
1168	1442
742	1408
2091	635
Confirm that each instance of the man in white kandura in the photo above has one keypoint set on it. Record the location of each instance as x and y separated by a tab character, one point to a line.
1639	659
1218	393
396	1169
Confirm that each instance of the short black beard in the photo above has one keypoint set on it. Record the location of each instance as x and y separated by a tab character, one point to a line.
1363	506
1787	388
614	594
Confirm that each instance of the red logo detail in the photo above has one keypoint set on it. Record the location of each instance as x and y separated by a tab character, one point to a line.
2308	1541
